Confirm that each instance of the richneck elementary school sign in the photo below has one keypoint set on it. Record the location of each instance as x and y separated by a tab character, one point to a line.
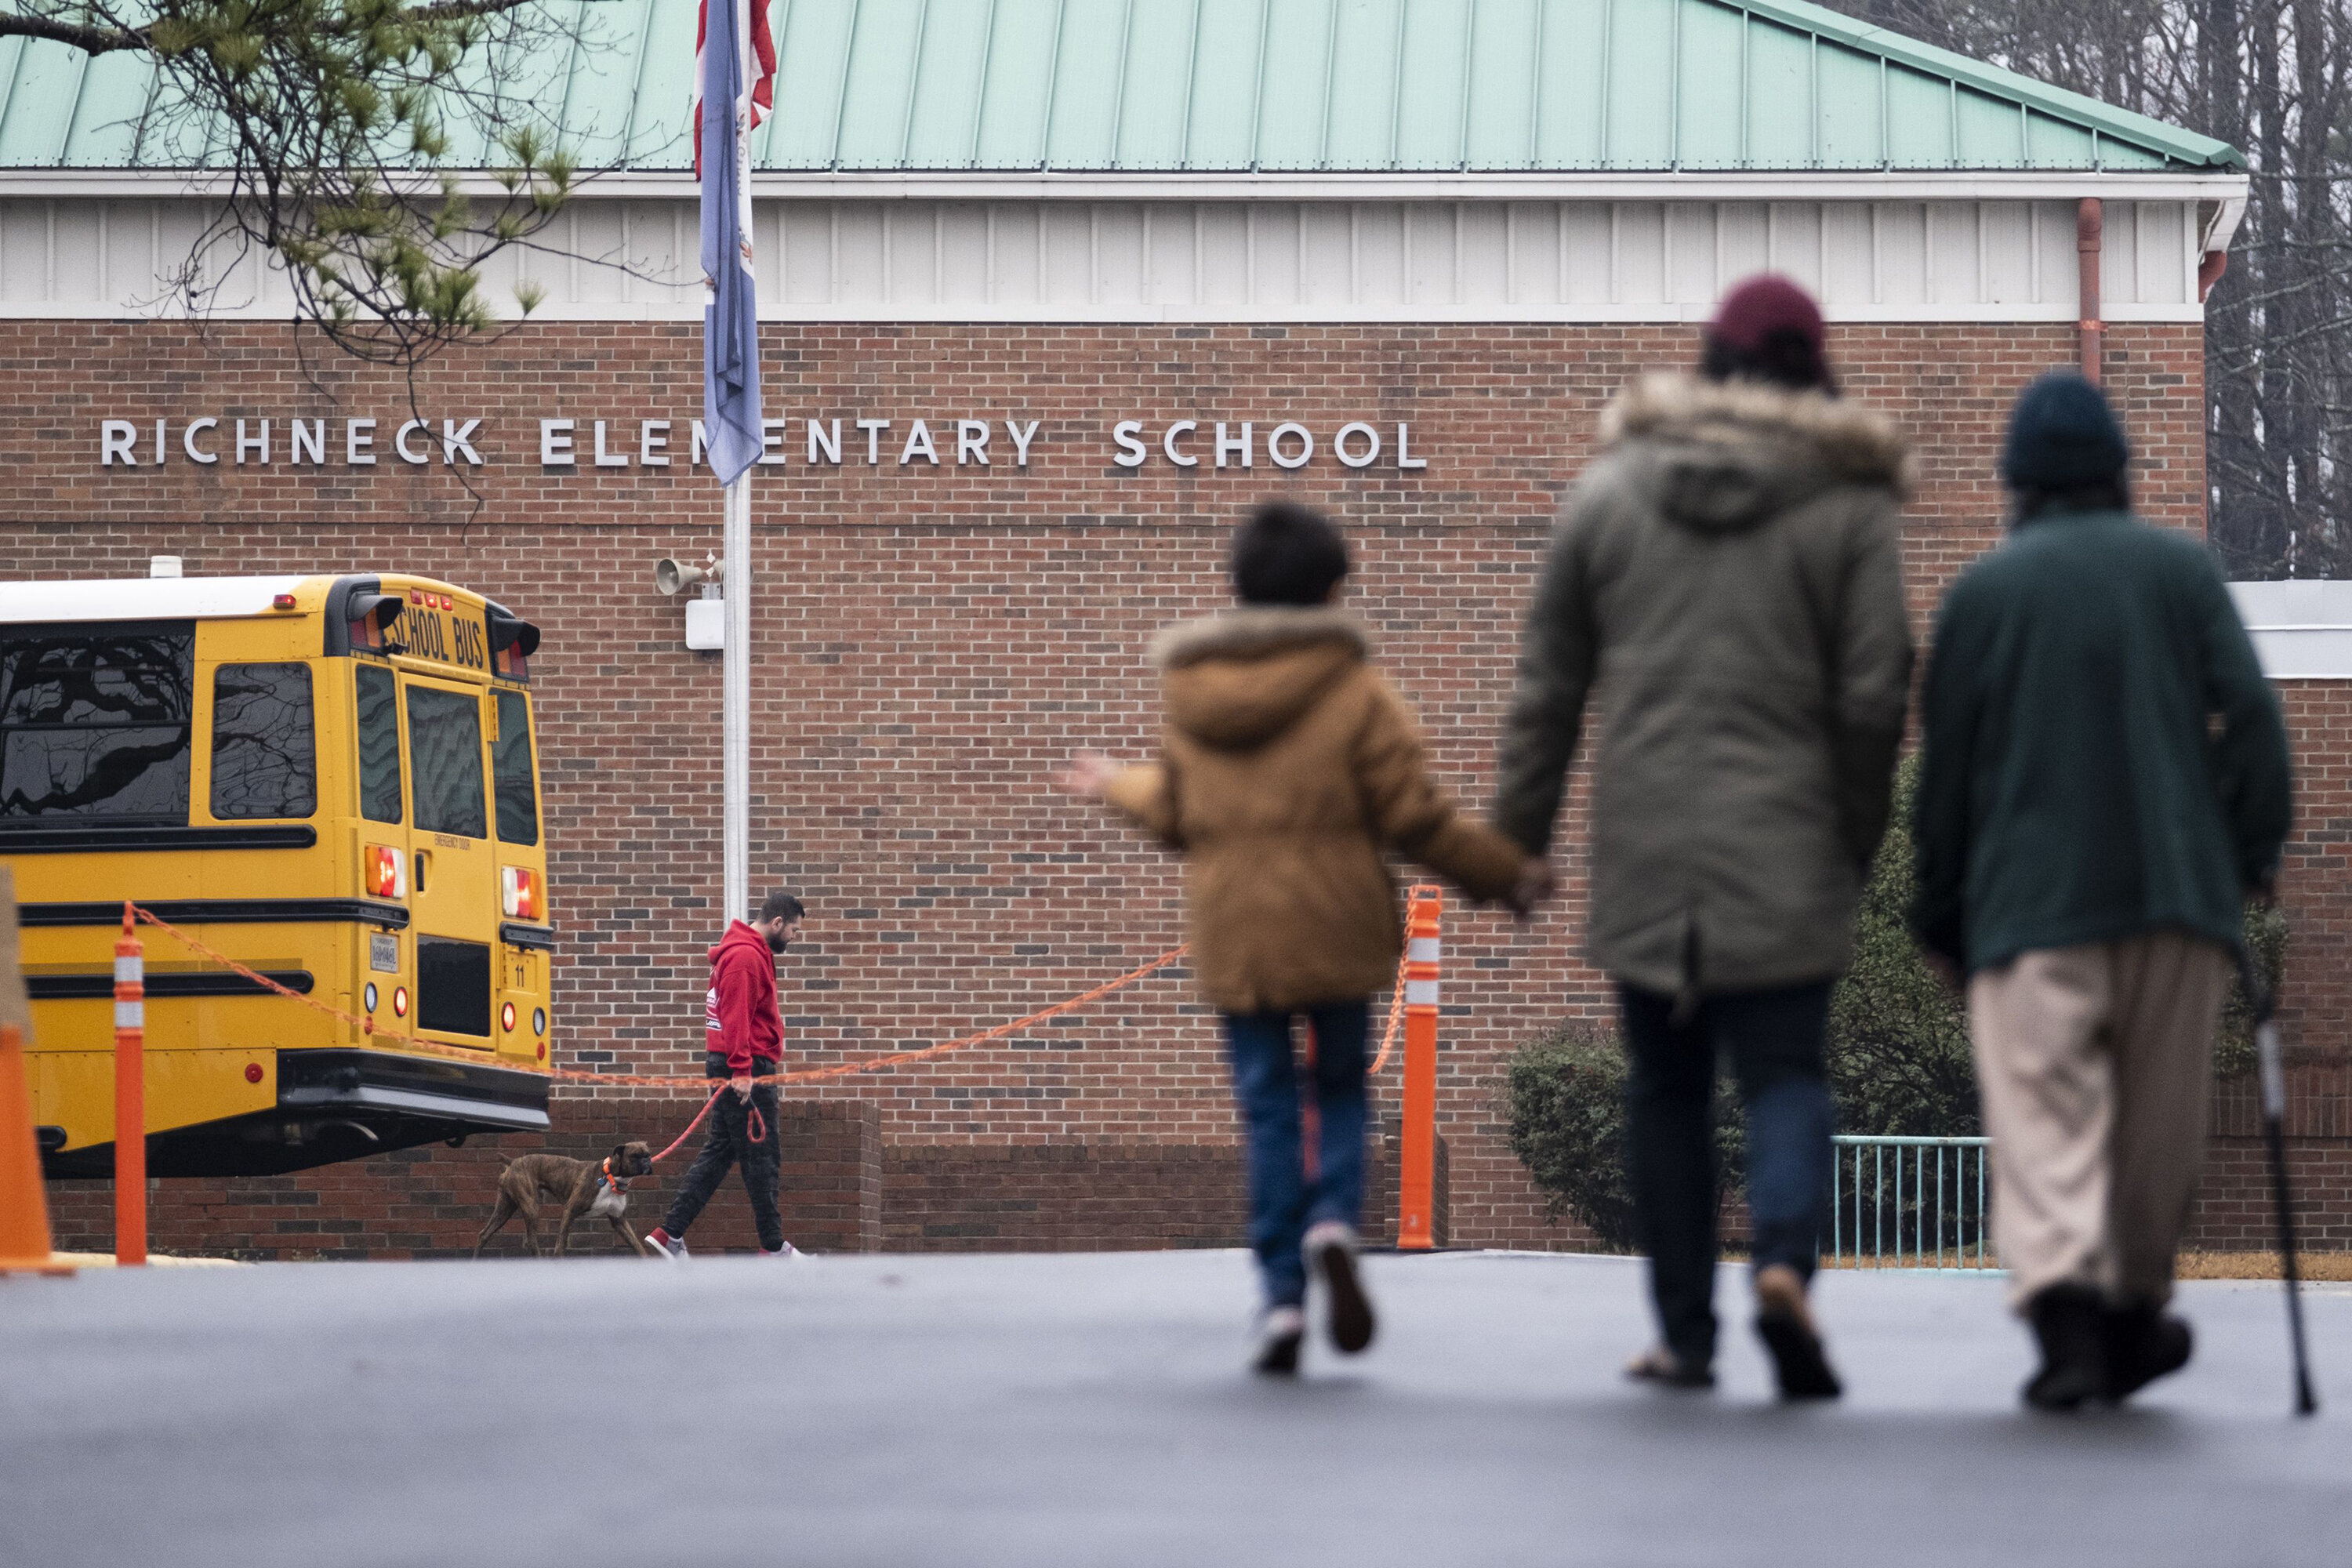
599	446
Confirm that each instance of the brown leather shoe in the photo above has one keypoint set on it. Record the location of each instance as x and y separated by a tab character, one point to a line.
1784	1322
1662	1366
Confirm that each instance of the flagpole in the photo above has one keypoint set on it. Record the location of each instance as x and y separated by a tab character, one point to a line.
735	766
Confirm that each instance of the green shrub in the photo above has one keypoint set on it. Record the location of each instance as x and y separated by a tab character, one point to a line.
2266	934
1565	1101
1898	1040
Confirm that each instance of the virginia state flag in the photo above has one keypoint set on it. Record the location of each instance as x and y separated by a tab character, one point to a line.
728	104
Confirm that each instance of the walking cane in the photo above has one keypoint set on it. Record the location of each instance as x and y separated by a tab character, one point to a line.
2261	1003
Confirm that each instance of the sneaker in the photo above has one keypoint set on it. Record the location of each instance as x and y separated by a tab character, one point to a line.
787	1253
1784	1322
1278	1335
1330	1246
2067	1321
666	1246
2142	1343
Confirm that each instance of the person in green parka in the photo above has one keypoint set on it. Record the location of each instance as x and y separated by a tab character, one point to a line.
2105	781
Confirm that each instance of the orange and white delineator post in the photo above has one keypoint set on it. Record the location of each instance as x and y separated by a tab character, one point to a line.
129	1094
1417	1156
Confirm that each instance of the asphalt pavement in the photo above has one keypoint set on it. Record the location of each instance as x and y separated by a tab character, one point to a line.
1092	1409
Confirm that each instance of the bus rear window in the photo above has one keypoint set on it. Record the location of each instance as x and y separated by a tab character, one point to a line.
379	741
264	742
96	723
445	761
510	762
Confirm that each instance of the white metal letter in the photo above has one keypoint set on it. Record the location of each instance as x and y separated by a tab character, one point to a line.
1405	460
972	442
608	460
188	439
1372	454
918	445
555	444
252	443
456	439
306	441
772	442
400	442
653	442
1168	443
114	440
1131	452
359	435
873	428
1242	444
1021	438
1273	445
824	440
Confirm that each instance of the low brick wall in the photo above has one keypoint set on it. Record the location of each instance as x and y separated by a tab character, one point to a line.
432	1202
1075	1197
842	1190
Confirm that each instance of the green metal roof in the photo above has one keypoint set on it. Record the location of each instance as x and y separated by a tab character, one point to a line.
1226	86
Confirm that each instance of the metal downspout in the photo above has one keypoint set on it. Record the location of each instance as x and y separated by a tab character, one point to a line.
2088	227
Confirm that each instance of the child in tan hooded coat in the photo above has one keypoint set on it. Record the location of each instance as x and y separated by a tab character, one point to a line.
1289	765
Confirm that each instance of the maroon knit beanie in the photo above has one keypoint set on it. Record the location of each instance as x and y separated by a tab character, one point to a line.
1762	306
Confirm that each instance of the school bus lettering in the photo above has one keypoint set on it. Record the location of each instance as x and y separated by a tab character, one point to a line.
473	647
422	631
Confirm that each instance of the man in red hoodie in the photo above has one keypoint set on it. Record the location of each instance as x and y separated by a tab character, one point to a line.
746	1040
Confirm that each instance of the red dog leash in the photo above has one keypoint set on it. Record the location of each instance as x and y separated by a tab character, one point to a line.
755	1126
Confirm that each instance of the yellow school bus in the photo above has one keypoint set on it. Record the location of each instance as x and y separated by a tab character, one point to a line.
331	780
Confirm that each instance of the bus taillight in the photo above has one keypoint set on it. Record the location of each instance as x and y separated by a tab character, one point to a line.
387	871
520	893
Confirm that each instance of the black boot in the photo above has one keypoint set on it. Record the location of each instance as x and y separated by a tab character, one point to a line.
2067	1321
2144	1343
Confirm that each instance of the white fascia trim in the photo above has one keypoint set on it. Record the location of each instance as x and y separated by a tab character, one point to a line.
849	184
1192	315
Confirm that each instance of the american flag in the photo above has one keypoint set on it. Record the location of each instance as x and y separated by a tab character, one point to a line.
763	52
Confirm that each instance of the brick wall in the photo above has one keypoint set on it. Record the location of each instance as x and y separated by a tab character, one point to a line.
931	641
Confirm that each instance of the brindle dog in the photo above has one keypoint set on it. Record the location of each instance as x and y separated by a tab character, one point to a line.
583	1186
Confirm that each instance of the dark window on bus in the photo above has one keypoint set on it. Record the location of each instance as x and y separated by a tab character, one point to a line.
445	761
510	762
379	737
264	761
96	723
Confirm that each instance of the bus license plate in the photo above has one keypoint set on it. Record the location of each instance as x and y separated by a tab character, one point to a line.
384	952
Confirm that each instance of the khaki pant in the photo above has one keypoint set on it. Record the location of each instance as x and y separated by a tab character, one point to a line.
2094	1063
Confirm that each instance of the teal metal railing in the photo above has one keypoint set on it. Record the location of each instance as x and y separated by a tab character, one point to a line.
1910	1203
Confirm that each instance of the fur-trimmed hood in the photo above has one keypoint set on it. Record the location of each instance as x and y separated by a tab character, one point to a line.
1240	678
1726	454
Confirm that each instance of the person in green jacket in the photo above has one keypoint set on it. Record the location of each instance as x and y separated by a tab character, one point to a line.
1726	590
2104	783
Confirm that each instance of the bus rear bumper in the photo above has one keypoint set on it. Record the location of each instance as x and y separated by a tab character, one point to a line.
354	1080
333	1105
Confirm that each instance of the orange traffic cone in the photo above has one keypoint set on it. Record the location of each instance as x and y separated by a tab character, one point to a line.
24	1206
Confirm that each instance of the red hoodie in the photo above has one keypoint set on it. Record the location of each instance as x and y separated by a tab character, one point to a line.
741	1011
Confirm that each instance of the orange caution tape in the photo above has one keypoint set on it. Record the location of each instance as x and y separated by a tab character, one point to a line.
632	1081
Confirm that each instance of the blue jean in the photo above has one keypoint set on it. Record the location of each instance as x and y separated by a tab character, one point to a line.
1282	1202
1774	1041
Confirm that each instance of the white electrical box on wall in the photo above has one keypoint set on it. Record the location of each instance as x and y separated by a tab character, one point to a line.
706	625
